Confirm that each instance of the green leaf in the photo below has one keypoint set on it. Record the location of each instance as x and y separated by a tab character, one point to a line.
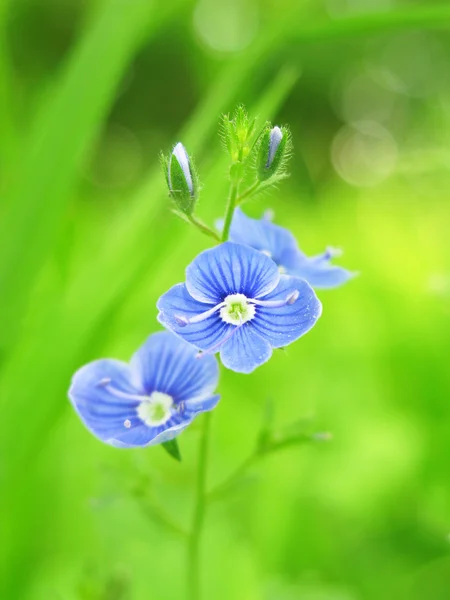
172	448
58	140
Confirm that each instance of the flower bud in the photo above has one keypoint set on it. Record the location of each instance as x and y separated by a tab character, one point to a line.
181	178
272	152
236	133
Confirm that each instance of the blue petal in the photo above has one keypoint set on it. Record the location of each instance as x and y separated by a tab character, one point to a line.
166	363
290	260
230	269
263	235
197	405
282	246
283	325
245	350
178	302
143	436
323	274
137	437
103	413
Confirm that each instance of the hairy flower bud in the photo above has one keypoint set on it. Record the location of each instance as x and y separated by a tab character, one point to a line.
181	178
236	133
276	137
181	157
272	152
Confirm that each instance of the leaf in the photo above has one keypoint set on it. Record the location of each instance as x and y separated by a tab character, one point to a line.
59	138
172	448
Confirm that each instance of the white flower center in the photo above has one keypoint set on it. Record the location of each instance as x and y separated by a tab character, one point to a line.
156	409
237	309
282	270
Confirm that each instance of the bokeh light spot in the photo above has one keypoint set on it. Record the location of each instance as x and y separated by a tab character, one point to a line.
364	154
226	26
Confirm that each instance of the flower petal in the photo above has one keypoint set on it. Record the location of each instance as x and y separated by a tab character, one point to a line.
102	412
265	236
245	350
322	274
283	325
197	405
178	302
230	269
168	364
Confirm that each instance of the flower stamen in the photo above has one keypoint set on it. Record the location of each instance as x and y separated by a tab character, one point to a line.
182	320
237	309
156	409
290	299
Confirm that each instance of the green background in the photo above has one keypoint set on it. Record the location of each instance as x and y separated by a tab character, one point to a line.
90	91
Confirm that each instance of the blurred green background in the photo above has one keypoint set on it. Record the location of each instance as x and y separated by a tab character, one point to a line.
90	91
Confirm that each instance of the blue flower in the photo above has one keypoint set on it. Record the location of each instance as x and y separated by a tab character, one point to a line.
281	246
151	399
235	300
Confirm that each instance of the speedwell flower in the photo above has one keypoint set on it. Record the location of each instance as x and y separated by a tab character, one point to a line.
281	246
151	399
235	301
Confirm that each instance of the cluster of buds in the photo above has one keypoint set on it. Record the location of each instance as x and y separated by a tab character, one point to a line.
262	157
237	134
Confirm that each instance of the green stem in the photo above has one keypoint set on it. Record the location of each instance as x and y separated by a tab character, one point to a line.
158	514
194	587
248	192
260	453
204	228
229	211
194	591
223	487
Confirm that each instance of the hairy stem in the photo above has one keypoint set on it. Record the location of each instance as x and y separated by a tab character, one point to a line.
194	587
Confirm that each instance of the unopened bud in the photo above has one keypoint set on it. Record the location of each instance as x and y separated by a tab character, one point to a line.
181	178
237	133
181	157
272	153
276	136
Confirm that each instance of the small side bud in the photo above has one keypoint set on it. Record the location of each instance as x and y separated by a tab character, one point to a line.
275	139
181	178
273	153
